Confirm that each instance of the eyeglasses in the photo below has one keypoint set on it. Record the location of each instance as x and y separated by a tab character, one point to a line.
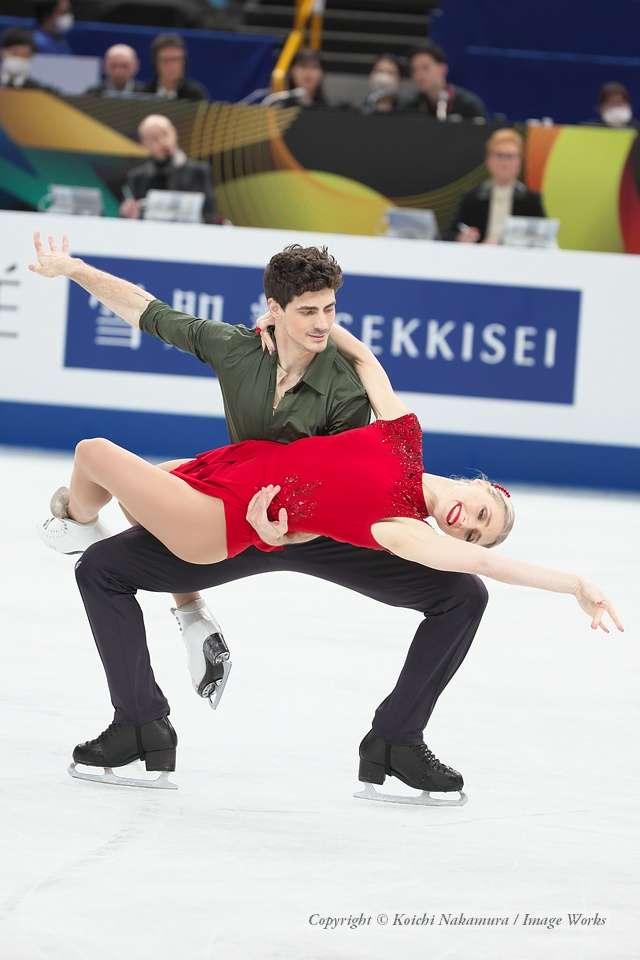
505	156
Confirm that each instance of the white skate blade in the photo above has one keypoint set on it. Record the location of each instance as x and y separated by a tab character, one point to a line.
216	694
160	782
423	799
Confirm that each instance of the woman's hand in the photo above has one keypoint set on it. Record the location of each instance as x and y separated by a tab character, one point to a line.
52	262
266	320
271	533
595	604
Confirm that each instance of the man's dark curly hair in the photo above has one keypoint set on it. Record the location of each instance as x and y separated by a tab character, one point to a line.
299	270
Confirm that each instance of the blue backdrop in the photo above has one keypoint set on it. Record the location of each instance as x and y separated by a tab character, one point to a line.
538	58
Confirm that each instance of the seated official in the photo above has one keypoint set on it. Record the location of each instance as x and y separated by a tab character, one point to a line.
306	76
169	56
434	95
120	67
54	20
16	52
483	212
168	168
614	107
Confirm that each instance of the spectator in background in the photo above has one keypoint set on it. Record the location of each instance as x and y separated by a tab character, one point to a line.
384	85
483	212
307	77
16	51
434	95
169	56
120	68
614	106
167	168
54	19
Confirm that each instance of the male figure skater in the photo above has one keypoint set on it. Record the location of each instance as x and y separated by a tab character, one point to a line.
305	388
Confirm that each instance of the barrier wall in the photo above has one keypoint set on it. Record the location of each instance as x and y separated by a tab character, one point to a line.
519	363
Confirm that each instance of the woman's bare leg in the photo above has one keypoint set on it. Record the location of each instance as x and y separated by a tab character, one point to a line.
181	599
189	523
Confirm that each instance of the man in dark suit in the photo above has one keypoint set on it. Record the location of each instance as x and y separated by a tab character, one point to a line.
169	55
16	50
434	95
120	67
483	212
168	168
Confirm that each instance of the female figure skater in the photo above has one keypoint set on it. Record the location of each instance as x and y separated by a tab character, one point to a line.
363	486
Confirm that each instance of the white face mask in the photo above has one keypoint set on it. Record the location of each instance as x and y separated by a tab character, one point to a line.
617	116
16	67
380	81
64	22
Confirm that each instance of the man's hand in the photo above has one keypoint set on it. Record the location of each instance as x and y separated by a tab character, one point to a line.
51	263
273	534
131	208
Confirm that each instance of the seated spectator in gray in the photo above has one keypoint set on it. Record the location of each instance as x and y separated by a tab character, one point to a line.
169	56
434	96
120	68
168	168
614	107
483	212
306	78
54	19
16	52
384	85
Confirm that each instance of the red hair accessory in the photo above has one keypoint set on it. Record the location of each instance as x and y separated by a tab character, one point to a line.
258	329
502	489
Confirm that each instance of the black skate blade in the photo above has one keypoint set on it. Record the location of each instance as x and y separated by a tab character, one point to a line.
423	799
214	692
160	782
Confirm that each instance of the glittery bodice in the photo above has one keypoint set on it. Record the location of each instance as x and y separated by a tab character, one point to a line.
335	486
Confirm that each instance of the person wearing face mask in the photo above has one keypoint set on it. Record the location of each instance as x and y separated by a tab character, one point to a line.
16	51
384	85
168	168
54	19
614	107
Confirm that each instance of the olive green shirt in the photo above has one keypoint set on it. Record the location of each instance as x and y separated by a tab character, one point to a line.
328	399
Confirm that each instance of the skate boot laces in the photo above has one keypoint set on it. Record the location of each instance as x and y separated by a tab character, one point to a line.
422	750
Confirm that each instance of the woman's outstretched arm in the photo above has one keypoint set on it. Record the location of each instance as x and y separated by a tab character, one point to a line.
414	540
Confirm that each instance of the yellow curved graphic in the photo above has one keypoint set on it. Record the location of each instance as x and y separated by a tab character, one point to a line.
580	186
287	200
59	126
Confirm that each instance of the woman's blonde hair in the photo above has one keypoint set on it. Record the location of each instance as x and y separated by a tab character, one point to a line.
502	137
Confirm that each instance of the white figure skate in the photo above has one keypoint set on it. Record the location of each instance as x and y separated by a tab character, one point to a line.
207	653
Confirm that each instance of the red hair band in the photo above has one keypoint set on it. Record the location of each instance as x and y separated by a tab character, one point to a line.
502	489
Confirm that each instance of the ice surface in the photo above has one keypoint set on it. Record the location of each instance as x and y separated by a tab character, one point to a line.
263	833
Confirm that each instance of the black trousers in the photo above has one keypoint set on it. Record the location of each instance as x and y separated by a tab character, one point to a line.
110	572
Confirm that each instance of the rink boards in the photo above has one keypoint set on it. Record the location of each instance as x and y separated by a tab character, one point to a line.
519	363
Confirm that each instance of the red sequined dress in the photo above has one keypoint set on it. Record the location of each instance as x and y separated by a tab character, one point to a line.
335	486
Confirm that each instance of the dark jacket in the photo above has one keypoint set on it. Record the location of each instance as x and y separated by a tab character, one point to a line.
104	89
474	207
188	175
461	102
28	84
186	90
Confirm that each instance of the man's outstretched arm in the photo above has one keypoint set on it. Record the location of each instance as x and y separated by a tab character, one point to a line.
125	299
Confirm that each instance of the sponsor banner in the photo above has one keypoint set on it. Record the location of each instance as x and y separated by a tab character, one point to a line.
459	339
